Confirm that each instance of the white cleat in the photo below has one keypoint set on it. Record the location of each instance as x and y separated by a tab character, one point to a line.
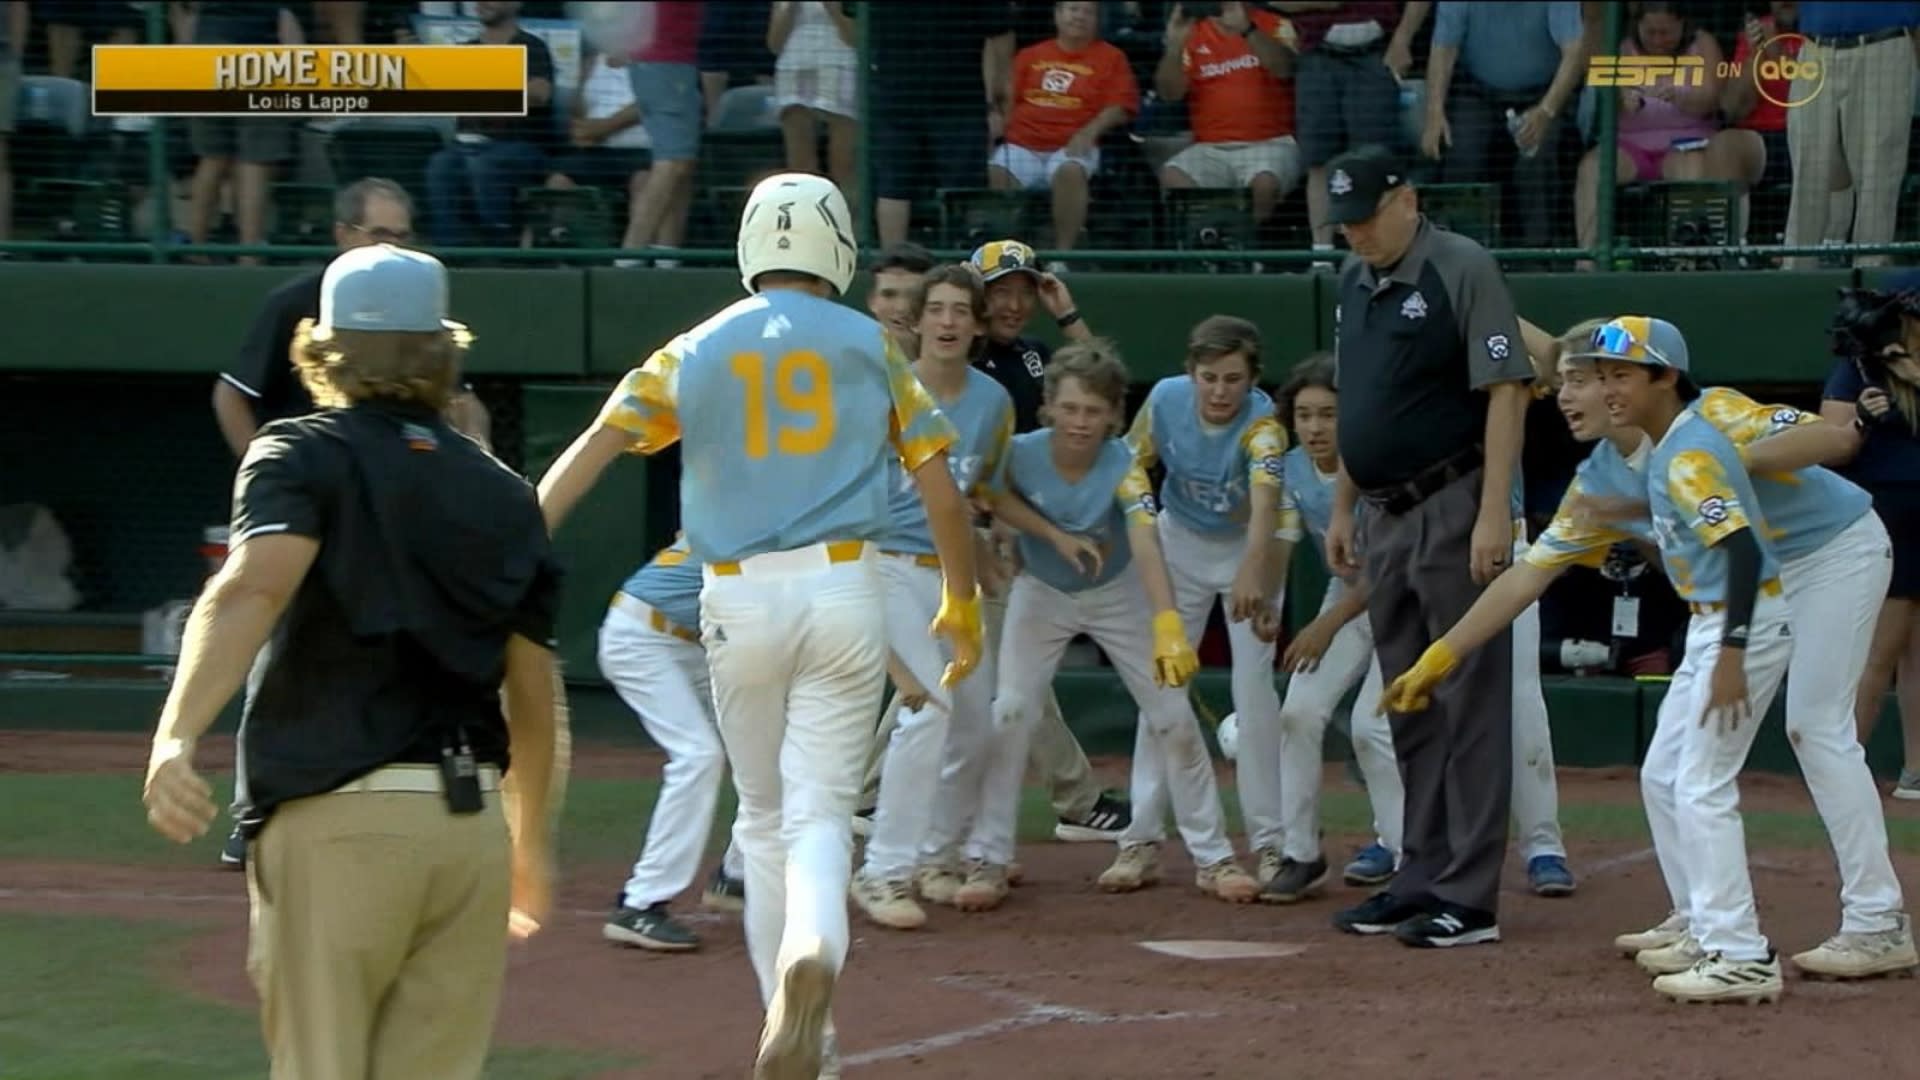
1671	959
1134	868
888	903
1716	980
1669	931
1862	956
793	1044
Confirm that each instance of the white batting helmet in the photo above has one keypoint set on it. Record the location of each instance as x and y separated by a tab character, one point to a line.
798	222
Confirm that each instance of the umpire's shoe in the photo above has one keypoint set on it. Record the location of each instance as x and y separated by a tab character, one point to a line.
1108	818
651	928
1447	926
233	854
1380	913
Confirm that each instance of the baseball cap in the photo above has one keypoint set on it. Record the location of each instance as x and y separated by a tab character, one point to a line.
1637	339
1356	180
384	288
998	258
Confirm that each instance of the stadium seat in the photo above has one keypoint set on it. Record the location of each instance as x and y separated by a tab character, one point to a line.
1679	213
582	217
1208	219
970	217
743	144
1472	210
394	147
67	190
302	215
52	126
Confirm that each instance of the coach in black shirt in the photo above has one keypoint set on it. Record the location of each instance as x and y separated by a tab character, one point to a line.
1015	283
1433	399
405	575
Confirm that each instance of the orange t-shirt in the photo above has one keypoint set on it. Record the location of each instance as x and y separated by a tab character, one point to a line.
1231	96
1056	92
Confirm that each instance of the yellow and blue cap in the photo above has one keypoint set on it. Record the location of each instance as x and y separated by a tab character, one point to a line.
1644	340
996	259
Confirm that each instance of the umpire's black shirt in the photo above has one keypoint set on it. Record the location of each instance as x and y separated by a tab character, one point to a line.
432	555
263	371
1019	365
1415	350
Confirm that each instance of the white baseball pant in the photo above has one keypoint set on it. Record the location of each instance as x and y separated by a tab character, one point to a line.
1833	598
1202	569
1690	782
1171	762
797	651
910	774
663	678
958	829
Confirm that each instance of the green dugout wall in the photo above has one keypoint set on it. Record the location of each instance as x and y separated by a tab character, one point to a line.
105	372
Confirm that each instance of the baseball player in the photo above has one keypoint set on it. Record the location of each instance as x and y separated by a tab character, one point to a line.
1831	564
1214	432
787	406
1085	514
651	654
946	724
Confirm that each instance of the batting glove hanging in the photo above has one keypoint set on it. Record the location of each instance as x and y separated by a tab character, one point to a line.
958	620
1174	660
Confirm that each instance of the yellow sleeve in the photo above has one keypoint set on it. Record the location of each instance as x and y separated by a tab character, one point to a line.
1698	485
1743	420
1265	442
1135	496
1568	542
918	428
646	404
1140	437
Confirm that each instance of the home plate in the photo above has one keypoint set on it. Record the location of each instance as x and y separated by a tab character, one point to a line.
1223	950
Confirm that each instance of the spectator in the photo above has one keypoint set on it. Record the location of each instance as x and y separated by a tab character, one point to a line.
1068	93
1494	61
732	49
473	185
898	271
13	46
665	77
1754	149
938	78
1663	129
608	147
248	149
72	25
1859	114
1875	387
817	79
1352	59
1235	71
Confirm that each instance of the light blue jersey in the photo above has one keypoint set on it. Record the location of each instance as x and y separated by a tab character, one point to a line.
670	584
1803	509
983	416
1111	496
1573	537
1211	469
789	408
1698	494
1308	506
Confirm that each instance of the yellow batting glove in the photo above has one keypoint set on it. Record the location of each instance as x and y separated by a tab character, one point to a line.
1174	660
1413	691
958	620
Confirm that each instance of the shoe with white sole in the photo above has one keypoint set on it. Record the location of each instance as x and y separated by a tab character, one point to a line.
793	1043
1908	787
1103	822
1862	956
1227	880
863	823
888	902
984	889
1670	930
1267	864
937	884
1135	867
723	892
1671	959
1716	979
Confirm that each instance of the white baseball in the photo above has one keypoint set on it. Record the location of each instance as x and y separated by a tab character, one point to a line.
1228	734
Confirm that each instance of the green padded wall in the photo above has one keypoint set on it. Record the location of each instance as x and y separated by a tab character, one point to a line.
1595	721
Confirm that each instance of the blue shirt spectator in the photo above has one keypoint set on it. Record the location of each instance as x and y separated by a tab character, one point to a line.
1833	18
1514	47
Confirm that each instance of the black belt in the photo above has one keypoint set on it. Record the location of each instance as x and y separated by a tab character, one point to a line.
1404	496
1854	41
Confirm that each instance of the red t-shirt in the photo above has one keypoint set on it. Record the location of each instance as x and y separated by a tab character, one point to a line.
669	32
1766	115
1231	96
1056	92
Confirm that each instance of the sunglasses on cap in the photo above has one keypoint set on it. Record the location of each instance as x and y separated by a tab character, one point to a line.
1616	340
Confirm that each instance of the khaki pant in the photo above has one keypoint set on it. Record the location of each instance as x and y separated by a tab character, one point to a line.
379	940
1053	755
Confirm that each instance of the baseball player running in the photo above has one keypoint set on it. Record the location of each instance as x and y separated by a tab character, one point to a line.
952	311
651	654
1085	514
1214	432
788	405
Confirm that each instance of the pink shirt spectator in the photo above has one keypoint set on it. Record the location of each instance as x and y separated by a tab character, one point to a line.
671	35
1648	133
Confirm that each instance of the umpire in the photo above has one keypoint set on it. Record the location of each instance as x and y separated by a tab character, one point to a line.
1433	399
415	575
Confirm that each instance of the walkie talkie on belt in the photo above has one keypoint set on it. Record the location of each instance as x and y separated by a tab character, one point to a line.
460	776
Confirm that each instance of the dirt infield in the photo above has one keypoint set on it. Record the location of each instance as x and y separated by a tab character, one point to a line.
1057	985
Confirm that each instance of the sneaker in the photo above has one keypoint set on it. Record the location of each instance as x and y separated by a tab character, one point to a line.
830	1055
724	893
1549	876
863	823
1671	929
1135	867
793	1044
1909	785
1110	816
1372	865
649	928
984	889
1671	959
1016	873
1295	882
1451	926
888	901
1377	914
1267	864
937	884
1860	956
1716	979
1225	880
233	854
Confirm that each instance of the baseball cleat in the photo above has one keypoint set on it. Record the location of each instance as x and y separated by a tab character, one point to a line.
1848	955
1103	823
1296	881
1714	979
1671	929
1908	786
1548	875
937	884
984	889
650	928
233	854
1377	914
1371	865
793	1043
1448	928
1135	867
1671	959
1267	863
724	893
1226	880
887	902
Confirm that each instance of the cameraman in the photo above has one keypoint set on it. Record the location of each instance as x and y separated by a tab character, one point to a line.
1875	387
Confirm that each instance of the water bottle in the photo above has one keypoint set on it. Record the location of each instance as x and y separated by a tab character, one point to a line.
1513	128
